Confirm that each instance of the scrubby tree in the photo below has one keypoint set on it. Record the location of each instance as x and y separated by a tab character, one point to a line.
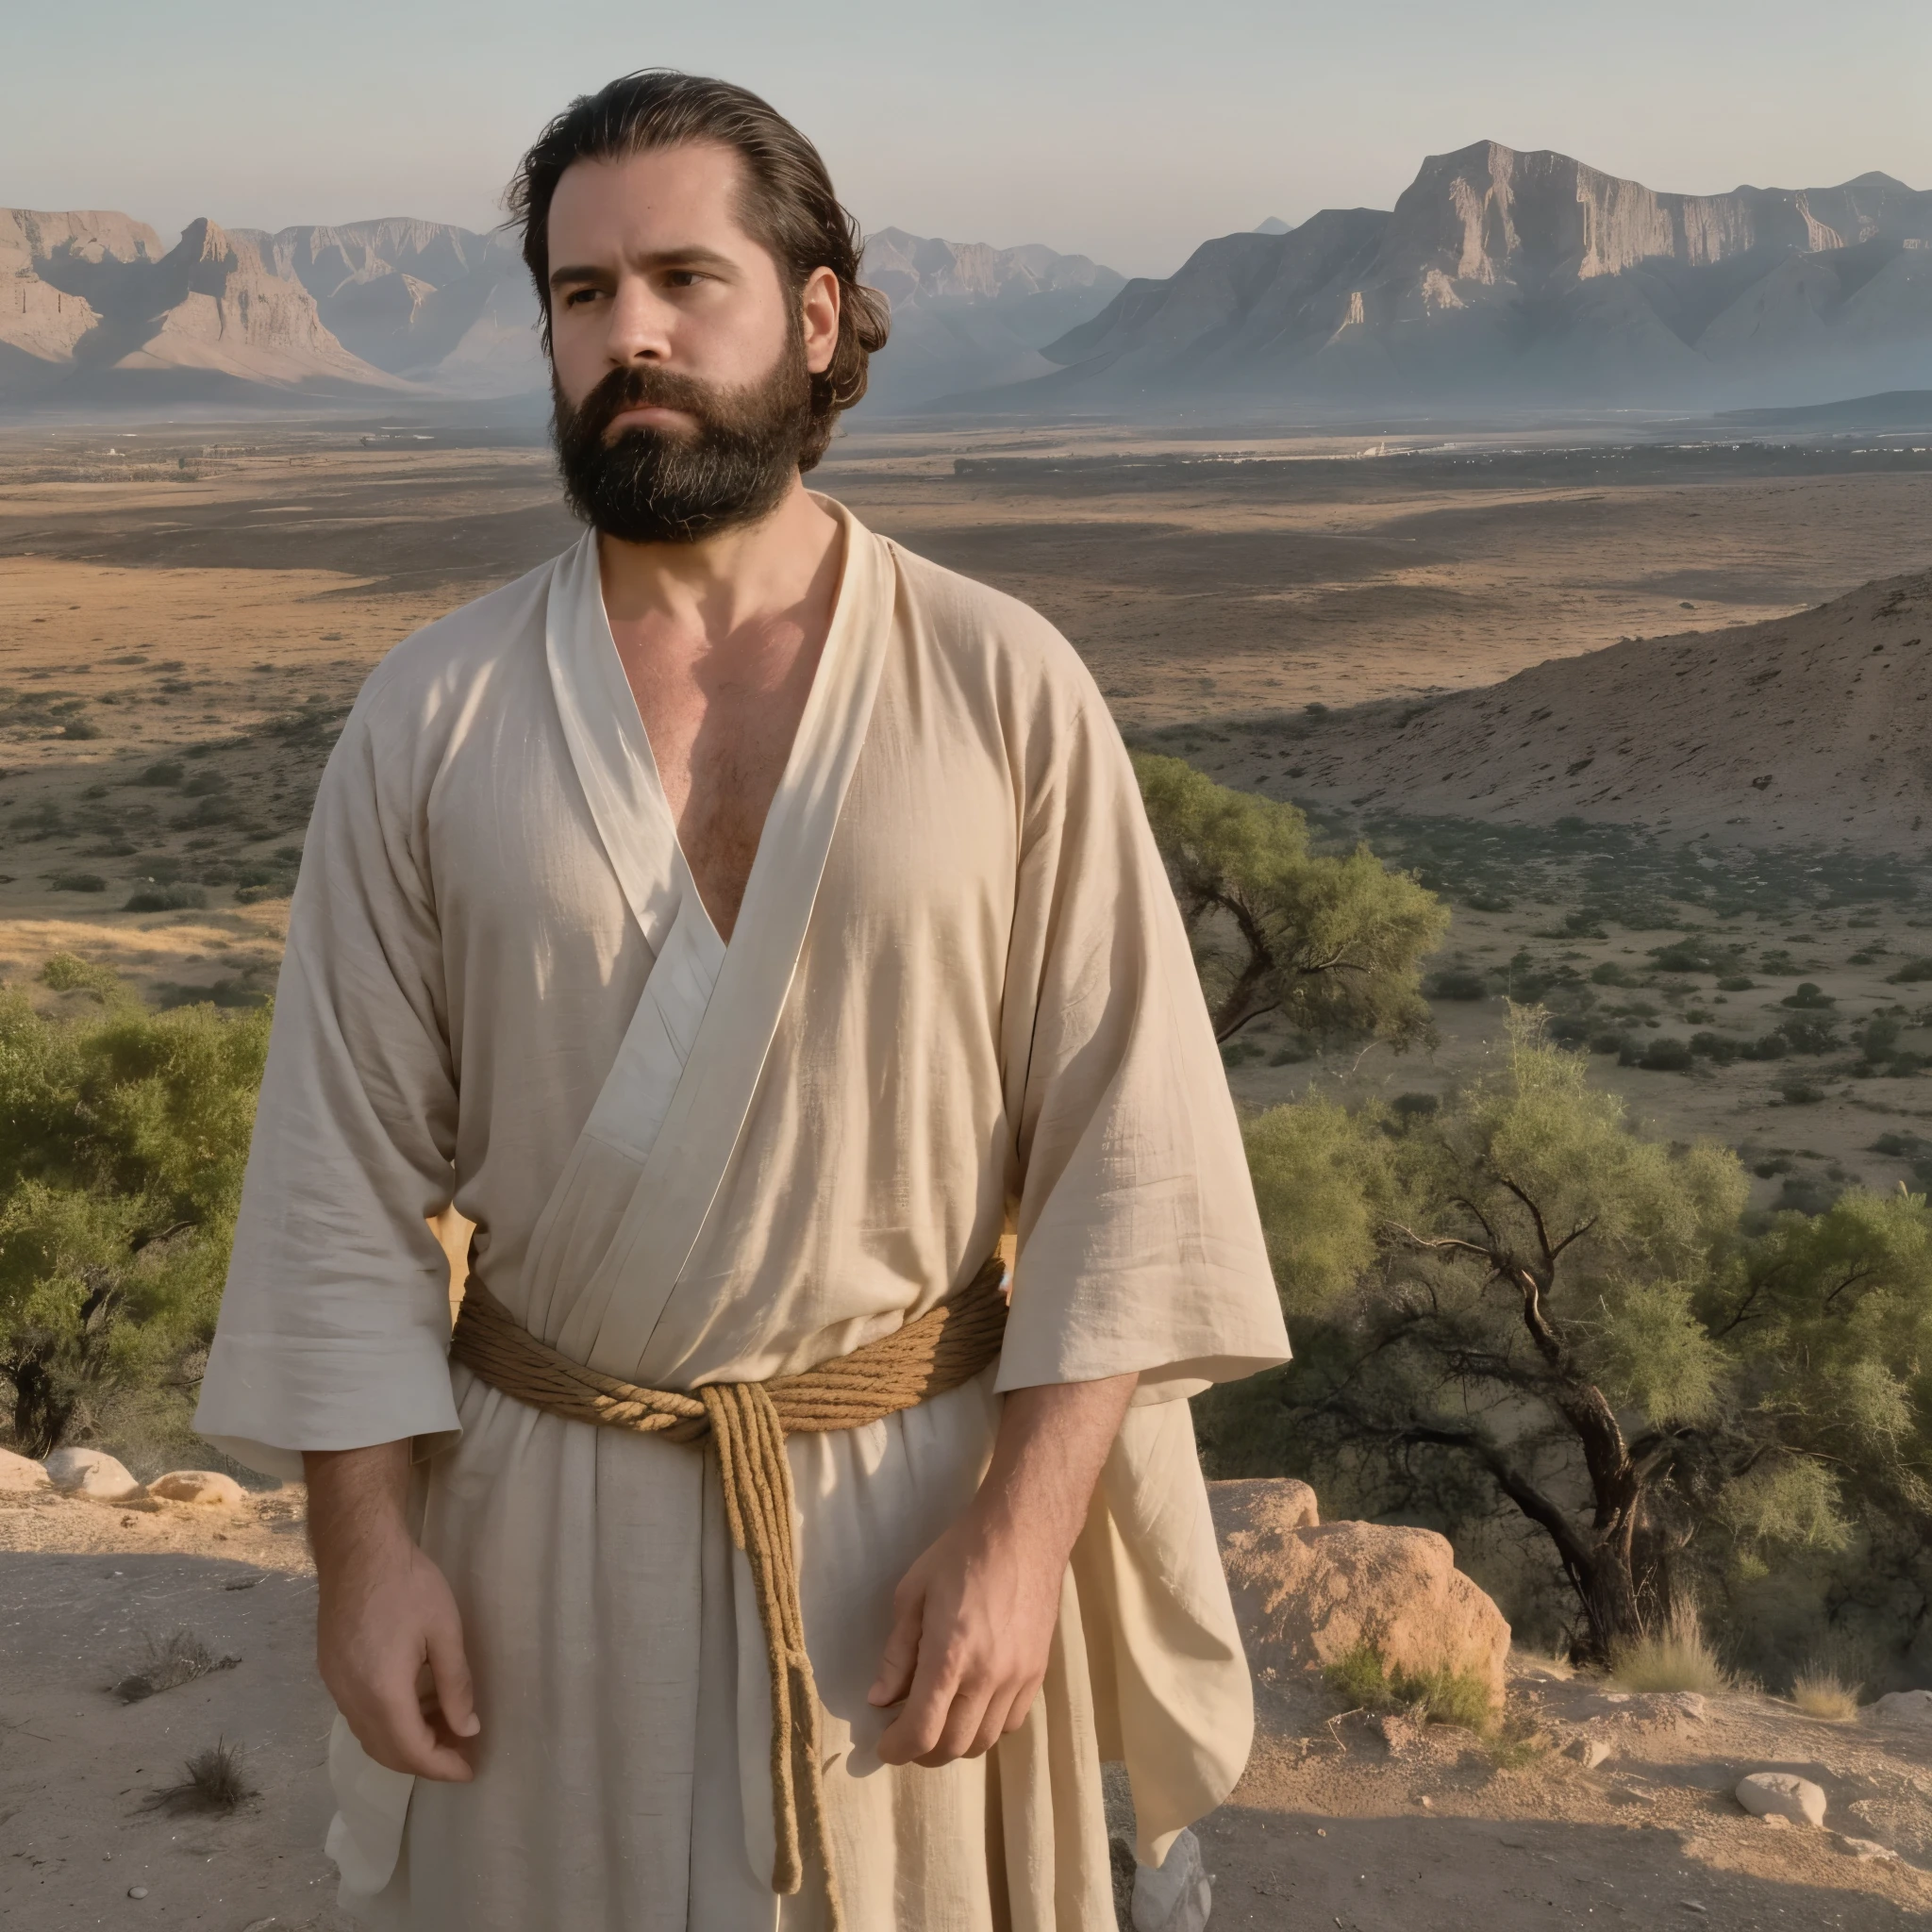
1331	943
122	1139
1538	1306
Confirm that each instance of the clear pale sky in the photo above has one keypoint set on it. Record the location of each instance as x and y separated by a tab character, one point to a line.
1126	130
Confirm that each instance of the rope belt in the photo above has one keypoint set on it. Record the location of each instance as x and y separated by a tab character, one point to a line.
746	1422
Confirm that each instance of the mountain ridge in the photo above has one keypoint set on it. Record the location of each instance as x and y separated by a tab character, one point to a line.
1501	273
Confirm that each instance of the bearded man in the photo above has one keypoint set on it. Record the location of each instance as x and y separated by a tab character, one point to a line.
753	930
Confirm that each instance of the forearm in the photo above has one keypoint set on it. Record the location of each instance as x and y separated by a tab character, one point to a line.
357	1501
1048	1456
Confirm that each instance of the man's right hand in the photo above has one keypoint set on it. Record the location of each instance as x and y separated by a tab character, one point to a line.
389	1638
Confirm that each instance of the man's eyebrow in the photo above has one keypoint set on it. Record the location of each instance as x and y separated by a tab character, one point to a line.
663	258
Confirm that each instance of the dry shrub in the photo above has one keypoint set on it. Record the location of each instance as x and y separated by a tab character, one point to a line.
215	1782
1819	1691
1676	1657
173	1660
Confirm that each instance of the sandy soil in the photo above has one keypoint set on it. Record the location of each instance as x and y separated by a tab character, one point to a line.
1368	1824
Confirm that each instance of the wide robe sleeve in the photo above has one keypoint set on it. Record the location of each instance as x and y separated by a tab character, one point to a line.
1139	1247
334	1330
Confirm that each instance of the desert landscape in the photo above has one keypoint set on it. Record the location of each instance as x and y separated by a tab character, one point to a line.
1542	667
1522	584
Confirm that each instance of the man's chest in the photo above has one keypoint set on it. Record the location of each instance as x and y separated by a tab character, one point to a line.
721	724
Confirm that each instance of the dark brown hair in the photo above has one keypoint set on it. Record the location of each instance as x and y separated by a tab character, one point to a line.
788	203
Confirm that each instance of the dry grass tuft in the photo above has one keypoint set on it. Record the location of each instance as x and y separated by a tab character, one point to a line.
1677	1657
1822	1692
173	1660
215	1782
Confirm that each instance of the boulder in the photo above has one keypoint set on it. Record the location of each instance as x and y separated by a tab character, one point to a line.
1308	1592
18	1473
1782	1794
1904	1707
1266	1503
91	1473
196	1486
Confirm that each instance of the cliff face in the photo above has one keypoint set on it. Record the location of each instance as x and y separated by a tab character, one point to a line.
409	296
1502	274
91	303
965	314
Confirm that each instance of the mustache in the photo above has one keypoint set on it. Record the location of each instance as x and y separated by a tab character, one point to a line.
642	387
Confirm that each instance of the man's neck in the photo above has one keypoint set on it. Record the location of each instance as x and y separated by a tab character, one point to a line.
721	584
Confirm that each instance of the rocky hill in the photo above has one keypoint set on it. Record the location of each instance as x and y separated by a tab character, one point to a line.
966	315
439	304
1804	727
1502	275
92	308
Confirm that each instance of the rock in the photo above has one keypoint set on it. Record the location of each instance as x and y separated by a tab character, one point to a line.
1782	1794
1176	1897
91	1473
1904	1707
1774	1822
1308	1594
18	1473
1264	1503
197	1486
1588	1752
1866	1849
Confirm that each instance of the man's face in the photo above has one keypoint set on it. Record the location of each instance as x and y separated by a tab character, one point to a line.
681	361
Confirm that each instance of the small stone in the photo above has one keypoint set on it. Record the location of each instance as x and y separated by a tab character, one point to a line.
137	1891
91	1473
1776	1820
1764	1793
1588	1752
1866	1849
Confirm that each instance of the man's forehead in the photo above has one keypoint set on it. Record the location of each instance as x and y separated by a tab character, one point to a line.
690	191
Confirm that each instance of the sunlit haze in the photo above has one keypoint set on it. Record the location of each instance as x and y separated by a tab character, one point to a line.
1128	132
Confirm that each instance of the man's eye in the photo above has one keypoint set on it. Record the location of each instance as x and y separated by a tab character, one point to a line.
684	277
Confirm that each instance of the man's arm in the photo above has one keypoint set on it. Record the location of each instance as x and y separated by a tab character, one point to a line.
387	1637
973	1618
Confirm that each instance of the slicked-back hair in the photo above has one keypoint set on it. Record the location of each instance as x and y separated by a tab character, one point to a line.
786	203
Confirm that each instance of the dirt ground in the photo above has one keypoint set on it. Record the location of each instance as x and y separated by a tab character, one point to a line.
181	634
1368	1824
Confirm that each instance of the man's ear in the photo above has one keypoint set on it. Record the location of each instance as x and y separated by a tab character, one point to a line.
818	307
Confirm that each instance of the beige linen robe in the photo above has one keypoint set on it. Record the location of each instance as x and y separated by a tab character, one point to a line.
957	1001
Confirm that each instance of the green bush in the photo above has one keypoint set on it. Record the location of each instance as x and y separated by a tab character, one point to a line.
1808	996
1440	1696
1735	982
1910	973
1666	1056
1458	983
158	898
123	1140
78	882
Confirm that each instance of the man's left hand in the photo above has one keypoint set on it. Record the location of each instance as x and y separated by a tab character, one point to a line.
973	1618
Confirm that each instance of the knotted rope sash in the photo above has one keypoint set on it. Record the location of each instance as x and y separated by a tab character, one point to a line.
746	1423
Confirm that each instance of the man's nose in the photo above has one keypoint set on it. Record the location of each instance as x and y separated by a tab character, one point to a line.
640	324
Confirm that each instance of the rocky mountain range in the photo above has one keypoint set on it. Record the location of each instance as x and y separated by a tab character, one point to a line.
1502	275
1498	277
93	306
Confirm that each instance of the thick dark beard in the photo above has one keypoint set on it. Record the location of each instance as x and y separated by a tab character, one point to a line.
653	486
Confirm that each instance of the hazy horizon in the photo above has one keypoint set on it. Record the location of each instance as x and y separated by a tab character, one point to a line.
1121	140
